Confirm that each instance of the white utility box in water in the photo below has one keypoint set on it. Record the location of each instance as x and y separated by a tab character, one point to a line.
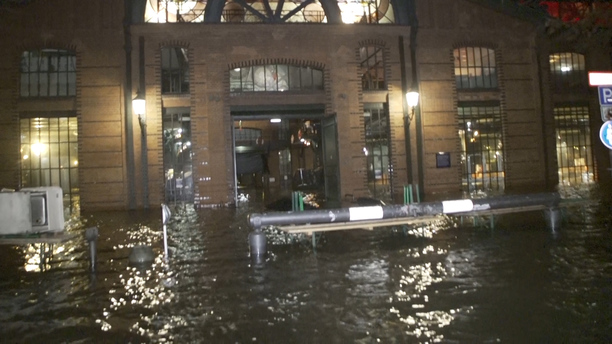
47	208
15	213
32	210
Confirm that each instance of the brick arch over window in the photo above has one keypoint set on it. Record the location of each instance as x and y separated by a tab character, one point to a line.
372	65
273	75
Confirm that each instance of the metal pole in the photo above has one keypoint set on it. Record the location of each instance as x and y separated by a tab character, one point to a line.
143	126
257	221
129	140
406	115
165	217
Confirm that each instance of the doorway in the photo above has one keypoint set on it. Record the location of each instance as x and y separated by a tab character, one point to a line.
276	155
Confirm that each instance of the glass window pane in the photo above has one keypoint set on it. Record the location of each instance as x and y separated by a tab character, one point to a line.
482	155
306	77
235	84
65	179
53	155
317	79
246	77
63	129
74	180
71	83
33	85
294	78
175	70
53	130
25	157
271	78
55	177
259	78
283	77
64	156
475	68
74	155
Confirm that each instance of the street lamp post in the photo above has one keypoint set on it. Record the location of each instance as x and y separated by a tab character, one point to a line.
412	100
139	108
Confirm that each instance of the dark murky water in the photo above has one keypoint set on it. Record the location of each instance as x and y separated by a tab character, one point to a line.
519	283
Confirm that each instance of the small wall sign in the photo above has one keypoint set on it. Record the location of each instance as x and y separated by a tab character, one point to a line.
443	160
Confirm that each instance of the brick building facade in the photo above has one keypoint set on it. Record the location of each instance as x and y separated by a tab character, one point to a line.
487	119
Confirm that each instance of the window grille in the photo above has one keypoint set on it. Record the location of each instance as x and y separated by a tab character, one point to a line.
178	165
48	73
568	73
50	155
376	122
175	70
475	68
275	78
574	150
372	68
482	156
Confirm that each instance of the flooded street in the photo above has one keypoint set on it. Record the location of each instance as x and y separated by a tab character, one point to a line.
518	283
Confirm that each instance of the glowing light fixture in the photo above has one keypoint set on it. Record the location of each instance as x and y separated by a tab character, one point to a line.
412	98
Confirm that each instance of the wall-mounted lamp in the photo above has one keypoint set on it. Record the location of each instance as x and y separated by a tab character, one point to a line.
139	108
412	99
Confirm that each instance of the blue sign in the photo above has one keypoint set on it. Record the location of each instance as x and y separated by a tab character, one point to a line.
605	134
605	95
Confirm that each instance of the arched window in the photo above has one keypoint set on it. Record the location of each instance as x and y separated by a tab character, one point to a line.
270	11
175	70
275	78
48	73
372	68
568	73
475	68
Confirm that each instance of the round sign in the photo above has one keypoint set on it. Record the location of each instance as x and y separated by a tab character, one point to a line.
605	134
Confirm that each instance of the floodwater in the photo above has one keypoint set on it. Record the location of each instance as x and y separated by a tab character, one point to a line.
517	283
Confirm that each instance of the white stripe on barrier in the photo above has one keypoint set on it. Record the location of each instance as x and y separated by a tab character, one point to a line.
365	213
457	206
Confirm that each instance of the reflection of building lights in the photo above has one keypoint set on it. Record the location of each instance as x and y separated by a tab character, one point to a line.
475	132
365	151
76	163
566	69
25	157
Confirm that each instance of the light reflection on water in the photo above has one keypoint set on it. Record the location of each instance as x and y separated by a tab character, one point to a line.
519	283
